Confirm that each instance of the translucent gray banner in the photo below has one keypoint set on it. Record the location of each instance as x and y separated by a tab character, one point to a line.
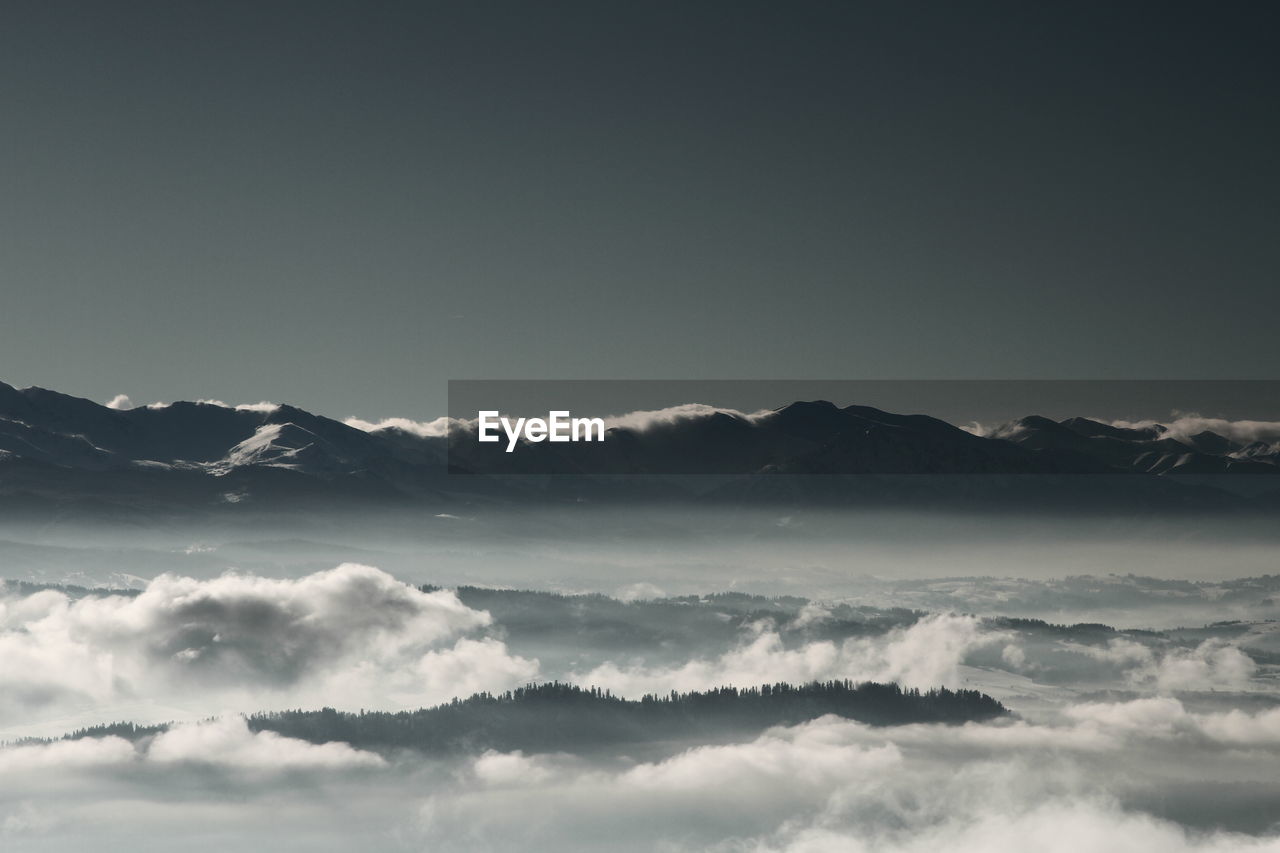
749	427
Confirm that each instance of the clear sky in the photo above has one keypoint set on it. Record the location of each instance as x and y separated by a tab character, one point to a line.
343	205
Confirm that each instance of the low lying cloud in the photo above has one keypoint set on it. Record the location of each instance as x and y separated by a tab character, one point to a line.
1164	718
350	636
1058	826
210	786
120	401
925	654
437	428
640	591
1180	426
647	419
264	406
1215	664
1150	775
639	421
1144	776
1186	425
226	743
835	785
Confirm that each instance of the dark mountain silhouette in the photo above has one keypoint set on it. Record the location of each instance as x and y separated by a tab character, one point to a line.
1151	450
801	438
557	717
68	455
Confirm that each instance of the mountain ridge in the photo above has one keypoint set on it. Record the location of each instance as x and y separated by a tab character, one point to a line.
65	449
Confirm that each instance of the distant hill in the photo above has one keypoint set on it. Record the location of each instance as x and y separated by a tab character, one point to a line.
558	717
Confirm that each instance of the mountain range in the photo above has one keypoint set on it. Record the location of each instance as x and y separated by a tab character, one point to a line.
68	452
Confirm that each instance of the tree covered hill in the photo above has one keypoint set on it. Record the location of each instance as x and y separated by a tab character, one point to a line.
556	717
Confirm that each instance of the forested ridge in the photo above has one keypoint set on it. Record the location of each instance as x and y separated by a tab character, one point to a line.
555	717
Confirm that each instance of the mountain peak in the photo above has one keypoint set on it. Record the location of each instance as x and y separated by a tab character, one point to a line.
1098	429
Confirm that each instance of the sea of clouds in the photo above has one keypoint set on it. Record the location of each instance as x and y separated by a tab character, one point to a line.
1145	775
1125	758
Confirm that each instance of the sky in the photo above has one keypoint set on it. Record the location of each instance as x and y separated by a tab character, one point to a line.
345	205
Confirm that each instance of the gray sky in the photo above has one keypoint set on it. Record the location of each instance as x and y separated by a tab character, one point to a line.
343	205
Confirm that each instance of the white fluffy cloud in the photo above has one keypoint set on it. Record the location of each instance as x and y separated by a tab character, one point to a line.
835	785
1165	718
226	742
639	420
353	636
639	591
213	785
1097	776
643	420
437	428
1058	826
264	406
925	654
1180	426
827	785
1189	424
1213	665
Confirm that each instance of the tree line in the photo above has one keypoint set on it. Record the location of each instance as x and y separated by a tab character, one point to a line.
560	717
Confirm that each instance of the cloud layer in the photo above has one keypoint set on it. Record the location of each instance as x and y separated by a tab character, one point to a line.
1145	776
1155	773
437	428
647	419
1213	665
925	654
1186	425
348	636
835	785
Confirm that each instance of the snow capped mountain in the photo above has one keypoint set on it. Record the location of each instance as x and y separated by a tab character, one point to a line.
46	426
1151	450
284	446
61	448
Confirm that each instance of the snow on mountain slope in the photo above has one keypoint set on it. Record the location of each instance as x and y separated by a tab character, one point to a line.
63	448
